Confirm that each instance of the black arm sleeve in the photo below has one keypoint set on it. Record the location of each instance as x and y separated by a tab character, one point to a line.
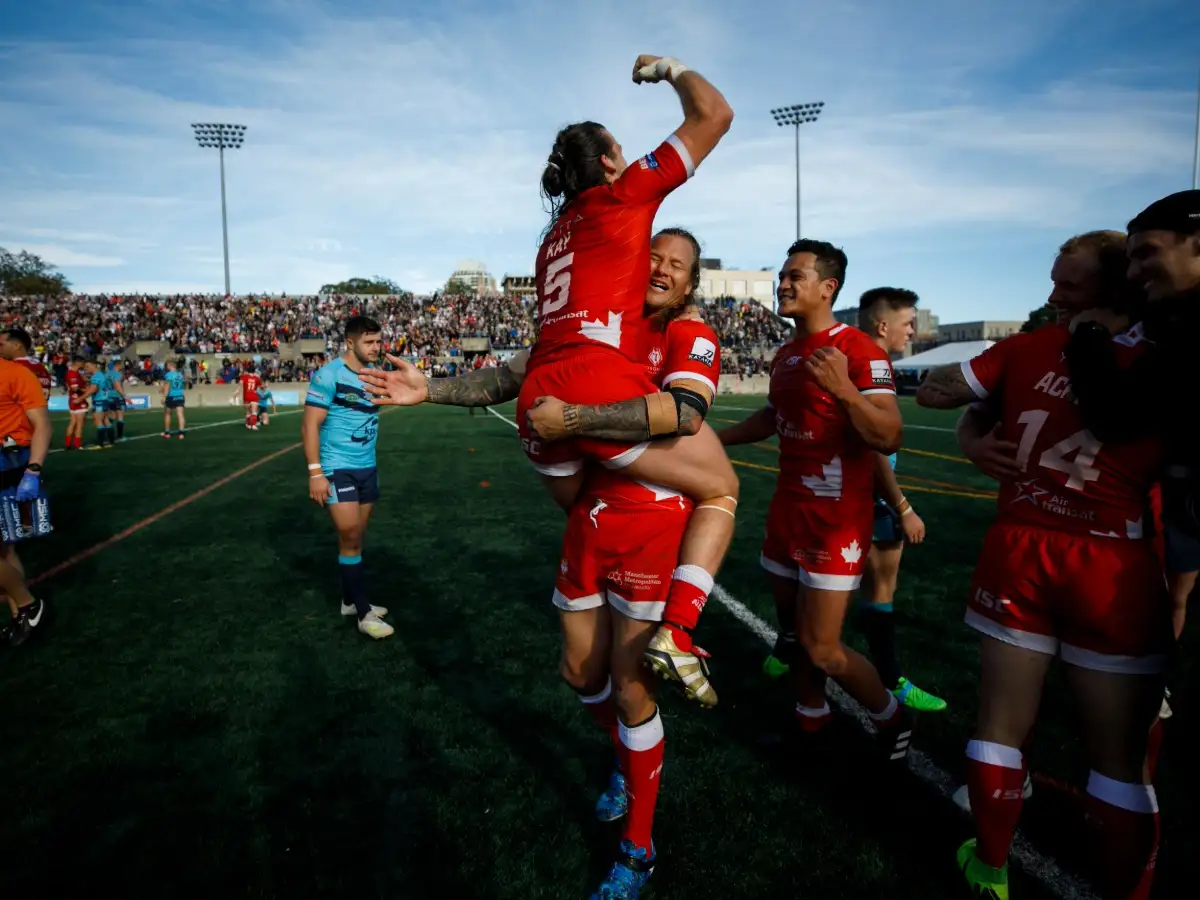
1117	404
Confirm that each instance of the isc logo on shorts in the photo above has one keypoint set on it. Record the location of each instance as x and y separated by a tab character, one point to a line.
988	600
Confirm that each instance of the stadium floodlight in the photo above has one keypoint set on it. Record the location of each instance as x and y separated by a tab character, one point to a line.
797	115
223	137
1196	151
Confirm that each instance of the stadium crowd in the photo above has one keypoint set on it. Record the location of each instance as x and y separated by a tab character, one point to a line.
425	327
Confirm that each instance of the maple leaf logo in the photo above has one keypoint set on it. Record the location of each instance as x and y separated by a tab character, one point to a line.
605	334
852	553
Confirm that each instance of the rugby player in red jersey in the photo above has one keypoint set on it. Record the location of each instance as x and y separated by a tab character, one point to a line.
248	387
77	406
17	346
591	277
1066	569
832	402
620	552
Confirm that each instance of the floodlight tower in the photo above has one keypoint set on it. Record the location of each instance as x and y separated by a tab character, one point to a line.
223	137
797	115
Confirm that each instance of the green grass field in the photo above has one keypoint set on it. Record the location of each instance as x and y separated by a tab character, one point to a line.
198	719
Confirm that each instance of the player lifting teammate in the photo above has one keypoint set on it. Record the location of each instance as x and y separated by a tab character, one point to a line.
173	399
339	430
620	550
591	276
1066	569
833	404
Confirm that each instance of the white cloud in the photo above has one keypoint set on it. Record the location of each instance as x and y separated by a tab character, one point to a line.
65	257
379	144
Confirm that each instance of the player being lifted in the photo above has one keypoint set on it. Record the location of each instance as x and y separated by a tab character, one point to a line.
591	277
76	403
173	399
247	389
339	430
833	404
620	550
1068	570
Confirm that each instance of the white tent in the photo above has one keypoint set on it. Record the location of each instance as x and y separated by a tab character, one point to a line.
942	355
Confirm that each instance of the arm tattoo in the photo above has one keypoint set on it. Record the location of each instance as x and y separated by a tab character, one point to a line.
624	421
484	387
945	388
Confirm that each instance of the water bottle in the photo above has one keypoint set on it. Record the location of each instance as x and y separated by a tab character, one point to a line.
39	515
10	517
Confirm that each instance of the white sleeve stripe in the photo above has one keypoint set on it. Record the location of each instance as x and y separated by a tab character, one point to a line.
877	391
973	382
675	141
678	376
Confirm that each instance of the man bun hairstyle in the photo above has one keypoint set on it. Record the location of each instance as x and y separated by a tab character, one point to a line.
574	164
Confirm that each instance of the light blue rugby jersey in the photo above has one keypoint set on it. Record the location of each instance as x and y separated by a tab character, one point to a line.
352	421
174	382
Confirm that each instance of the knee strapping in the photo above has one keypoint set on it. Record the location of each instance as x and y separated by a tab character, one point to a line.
726	504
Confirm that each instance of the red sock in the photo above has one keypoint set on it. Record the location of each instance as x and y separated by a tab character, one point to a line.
813	720
996	784
690	587
253	421
603	712
1153	748
643	769
1127	830
70	442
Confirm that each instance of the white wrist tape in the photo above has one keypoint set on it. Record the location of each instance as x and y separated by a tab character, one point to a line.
667	67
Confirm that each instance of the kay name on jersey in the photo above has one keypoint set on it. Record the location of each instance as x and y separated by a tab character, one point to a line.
703	351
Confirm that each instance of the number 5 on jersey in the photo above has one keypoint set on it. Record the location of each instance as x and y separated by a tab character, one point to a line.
558	281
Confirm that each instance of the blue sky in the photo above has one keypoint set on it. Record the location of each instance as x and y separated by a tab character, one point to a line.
961	141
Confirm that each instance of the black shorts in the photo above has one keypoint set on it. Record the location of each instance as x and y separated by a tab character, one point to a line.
887	525
174	403
354	485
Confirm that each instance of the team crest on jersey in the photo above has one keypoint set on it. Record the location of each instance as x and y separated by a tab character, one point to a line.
703	351
656	357
881	373
649	161
792	360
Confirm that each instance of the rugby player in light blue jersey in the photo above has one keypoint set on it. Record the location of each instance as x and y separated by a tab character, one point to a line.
339	430
173	399
265	399
116	398
886	315
99	389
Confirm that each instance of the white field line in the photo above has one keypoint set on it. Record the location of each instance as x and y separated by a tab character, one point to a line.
1038	866
191	428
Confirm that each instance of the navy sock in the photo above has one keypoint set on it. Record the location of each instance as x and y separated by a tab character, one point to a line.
877	625
354	583
120	428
